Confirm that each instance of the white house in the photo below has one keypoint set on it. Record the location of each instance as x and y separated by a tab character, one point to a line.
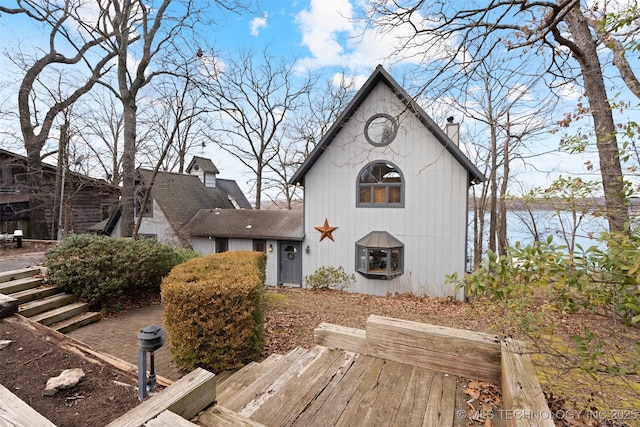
385	196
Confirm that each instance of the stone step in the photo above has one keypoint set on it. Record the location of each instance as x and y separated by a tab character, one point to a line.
20	284
46	304
29	295
21	273
48	318
77	321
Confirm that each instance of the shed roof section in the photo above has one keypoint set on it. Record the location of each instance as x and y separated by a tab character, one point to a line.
380	75
247	224
181	196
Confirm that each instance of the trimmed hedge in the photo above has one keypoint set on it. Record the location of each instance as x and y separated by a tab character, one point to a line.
213	310
103	270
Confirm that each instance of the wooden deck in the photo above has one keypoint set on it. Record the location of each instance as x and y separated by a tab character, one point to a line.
331	387
394	373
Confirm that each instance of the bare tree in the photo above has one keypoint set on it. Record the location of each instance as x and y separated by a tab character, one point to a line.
100	128
555	32
177	119
152	36
83	40
252	100
319	109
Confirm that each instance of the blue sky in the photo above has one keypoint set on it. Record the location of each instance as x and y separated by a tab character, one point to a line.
320	36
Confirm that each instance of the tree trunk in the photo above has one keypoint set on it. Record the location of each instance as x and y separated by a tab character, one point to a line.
37	218
502	226
493	183
128	169
586	54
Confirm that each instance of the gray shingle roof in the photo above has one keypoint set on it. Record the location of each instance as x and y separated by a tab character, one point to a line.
181	196
248	224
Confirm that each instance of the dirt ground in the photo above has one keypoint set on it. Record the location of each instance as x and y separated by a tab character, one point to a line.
33	357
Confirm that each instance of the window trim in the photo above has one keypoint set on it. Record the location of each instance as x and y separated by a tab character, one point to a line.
382	241
386	186
390	137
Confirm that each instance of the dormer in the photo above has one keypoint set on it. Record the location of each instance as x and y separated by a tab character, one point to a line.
203	169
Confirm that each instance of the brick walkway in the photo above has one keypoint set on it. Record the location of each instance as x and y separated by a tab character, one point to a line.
117	336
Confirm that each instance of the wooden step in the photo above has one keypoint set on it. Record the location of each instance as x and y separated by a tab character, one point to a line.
186	397
15	412
7	276
219	416
284	407
48	318
21	284
46	304
76	322
245	376
29	295
268	383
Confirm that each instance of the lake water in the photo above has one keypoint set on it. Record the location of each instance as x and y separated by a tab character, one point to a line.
520	226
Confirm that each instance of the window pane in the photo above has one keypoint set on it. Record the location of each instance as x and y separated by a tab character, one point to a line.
395	260
259	245
380	195
394	195
368	175
365	194
362	259
377	260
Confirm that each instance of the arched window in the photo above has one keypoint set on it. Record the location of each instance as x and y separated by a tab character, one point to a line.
380	184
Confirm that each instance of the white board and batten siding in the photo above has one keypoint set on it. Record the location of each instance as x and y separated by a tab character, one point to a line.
206	245
156	225
432	223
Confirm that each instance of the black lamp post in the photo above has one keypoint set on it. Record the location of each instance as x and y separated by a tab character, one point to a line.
150	339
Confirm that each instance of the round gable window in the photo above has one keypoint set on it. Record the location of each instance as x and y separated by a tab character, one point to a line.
380	129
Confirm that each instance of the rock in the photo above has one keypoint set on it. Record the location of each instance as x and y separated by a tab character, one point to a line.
4	343
67	379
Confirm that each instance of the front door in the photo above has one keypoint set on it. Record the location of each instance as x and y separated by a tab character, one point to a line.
290	263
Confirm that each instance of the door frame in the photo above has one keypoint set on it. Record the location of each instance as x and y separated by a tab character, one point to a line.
298	247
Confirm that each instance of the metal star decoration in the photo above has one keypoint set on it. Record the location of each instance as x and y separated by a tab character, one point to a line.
326	230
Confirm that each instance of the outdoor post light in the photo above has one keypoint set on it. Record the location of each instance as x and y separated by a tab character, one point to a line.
17	236
150	339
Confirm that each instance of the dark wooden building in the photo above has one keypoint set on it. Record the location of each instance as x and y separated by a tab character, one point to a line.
85	200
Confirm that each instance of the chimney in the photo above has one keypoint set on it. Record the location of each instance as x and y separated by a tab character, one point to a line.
453	130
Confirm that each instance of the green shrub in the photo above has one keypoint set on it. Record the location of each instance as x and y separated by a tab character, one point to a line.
103	270
330	278
213	310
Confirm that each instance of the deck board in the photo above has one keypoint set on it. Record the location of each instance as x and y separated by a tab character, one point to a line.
292	399
330	404
389	398
442	401
414	400
362	397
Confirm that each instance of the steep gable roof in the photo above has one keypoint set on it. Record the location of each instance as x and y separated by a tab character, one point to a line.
380	75
181	196
248	224
206	165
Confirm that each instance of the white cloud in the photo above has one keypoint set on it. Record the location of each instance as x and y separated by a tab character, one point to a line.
257	24
336	37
